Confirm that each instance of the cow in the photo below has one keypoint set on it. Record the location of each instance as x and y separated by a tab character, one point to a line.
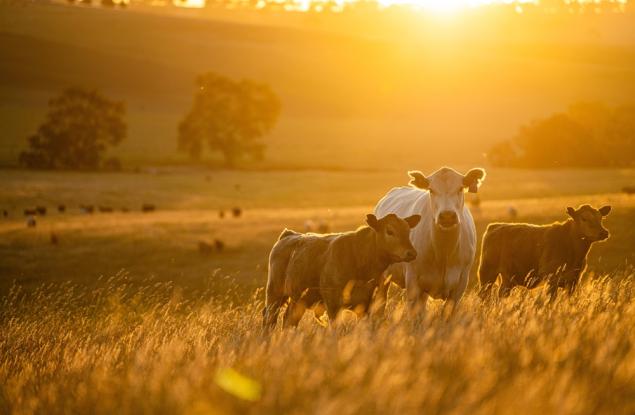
530	255
30	212
338	270
629	190
87	209
205	248
445	239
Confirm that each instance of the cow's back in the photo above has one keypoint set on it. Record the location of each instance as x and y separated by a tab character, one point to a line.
403	201
514	247
306	262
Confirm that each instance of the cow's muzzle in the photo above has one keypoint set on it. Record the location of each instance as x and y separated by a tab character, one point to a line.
447	219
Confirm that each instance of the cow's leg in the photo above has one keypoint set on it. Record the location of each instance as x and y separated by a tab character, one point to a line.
333	302
380	297
506	285
294	313
487	276
415	298
552	290
571	285
318	311
271	312
455	296
274	291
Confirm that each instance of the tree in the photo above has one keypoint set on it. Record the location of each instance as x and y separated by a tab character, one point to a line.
80	126
588	134
230	117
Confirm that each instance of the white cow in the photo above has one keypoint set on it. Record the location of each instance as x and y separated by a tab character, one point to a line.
445	239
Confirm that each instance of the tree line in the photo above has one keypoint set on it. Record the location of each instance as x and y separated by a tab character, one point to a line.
227	116
587	134
231	117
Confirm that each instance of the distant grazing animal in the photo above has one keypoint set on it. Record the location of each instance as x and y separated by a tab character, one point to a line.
148	207
88	209
309	225
5	213
221	213
445	239
41	210
236	212
322	226
54	239
475	204
629	190
205	248
528	255
30	212
339	269
512	212
106	209
61	208
219	245
31	222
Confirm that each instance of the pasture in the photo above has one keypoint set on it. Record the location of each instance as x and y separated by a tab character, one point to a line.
140	291
163	244
125	315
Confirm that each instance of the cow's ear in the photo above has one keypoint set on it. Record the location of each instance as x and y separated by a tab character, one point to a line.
419	180
372	221
605	210
413	220
571	212
472	180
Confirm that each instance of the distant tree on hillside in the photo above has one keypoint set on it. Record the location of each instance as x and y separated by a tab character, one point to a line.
586	135
80	126
229	117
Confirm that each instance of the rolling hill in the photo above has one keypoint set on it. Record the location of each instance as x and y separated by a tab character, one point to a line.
422	94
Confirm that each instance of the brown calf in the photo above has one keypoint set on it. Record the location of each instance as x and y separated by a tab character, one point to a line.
339	269
528	255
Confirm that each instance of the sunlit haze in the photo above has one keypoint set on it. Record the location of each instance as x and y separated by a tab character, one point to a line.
437	7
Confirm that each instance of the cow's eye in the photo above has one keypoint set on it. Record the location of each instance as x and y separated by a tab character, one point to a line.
389	232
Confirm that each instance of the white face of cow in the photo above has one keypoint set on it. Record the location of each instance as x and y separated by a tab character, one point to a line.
447	188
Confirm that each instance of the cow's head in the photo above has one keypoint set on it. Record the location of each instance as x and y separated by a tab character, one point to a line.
447	188
588	222
393	236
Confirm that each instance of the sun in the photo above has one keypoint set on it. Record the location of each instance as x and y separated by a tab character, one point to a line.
190	4
442	6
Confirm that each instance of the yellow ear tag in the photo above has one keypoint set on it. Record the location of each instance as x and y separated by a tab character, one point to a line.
473	187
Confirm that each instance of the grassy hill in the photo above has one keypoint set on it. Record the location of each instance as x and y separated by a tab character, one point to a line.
428	92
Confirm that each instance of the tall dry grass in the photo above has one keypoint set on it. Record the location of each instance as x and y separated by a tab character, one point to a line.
147	349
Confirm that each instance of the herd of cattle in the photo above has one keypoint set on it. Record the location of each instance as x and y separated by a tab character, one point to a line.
422	237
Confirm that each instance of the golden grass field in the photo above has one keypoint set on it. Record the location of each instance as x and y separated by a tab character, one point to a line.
67	349
125	316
